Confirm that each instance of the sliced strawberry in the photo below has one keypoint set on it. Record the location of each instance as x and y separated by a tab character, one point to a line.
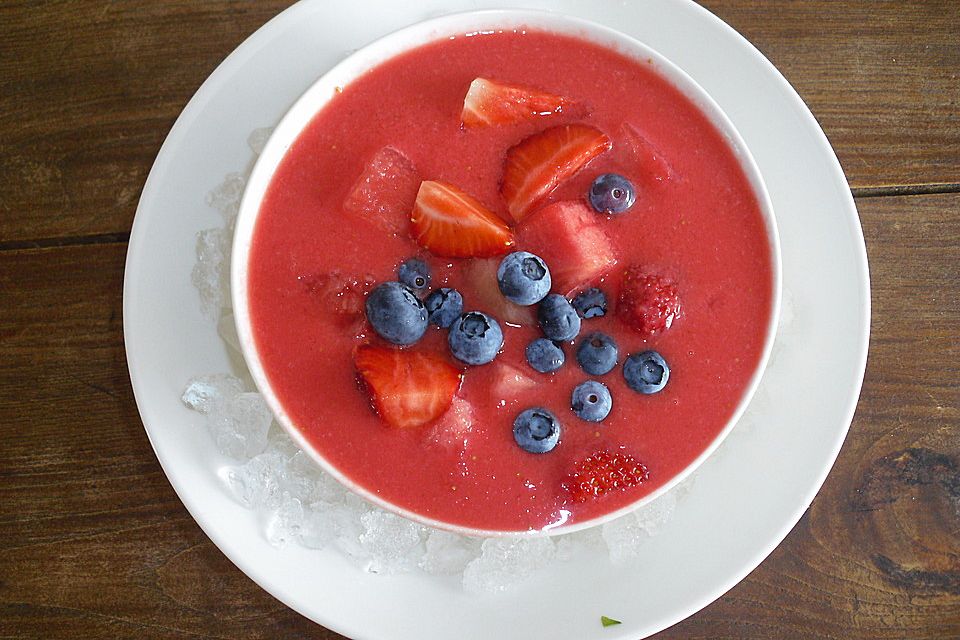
407	388
385	190
537	166
603	472
450	223
649	303
481	281
493	103
569	236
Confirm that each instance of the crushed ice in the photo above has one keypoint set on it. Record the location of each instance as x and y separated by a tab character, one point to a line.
303	505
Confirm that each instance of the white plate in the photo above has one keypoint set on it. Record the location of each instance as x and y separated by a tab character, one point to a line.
745	498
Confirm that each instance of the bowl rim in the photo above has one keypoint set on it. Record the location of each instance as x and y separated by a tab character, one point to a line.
469	24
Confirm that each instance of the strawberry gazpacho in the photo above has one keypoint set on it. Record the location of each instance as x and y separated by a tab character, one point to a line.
510	281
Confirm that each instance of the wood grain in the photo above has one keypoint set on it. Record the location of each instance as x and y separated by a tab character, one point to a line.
89	90
95	544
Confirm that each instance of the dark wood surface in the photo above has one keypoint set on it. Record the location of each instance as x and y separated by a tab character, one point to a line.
95	544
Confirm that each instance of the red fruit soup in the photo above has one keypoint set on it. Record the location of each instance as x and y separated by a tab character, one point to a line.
336	221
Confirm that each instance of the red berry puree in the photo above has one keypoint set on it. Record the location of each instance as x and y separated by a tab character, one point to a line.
686	271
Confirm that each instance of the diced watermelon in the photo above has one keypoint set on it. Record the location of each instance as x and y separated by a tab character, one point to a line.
508	382
453	428
569	236
651	166
385	191
481	275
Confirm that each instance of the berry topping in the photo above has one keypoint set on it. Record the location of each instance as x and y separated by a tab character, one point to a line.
414	273
396	314
558	319
475	338
539	164
602	472
597	354
536	430
544	356
493	103
591	303
570	238
523	278
646	372
407	388
451	223
611	193
591	401
648	303
385	191
480	276
443	306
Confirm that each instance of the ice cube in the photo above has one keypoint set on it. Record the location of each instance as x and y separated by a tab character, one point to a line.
226	196
626	535
385	191
227	329
654	516
505	562
286	523
203	392
239	425
318	529
573	544
211	272
256	484
392	542
448	553
257	139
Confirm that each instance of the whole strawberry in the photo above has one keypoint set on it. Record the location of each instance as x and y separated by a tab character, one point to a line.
649	303
602	472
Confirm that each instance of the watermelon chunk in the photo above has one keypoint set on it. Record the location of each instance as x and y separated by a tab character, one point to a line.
508	382
385	191
481	275
569	236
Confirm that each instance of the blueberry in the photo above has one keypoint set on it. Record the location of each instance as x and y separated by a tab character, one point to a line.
523	278
612	193
536	430
558	319
591	303
591	401
475	338
396	313
597	354
646	372
544	356
444	306
414	273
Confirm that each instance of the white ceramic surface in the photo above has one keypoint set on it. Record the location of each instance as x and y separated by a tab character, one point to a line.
321	92
743	500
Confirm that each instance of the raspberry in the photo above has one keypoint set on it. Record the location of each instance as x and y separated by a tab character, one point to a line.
603	471
648	303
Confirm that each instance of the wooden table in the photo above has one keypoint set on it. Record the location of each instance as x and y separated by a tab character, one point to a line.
95	544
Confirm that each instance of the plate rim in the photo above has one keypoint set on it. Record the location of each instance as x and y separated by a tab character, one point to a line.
852	221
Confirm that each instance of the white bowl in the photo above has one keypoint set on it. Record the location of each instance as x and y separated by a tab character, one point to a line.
317	96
